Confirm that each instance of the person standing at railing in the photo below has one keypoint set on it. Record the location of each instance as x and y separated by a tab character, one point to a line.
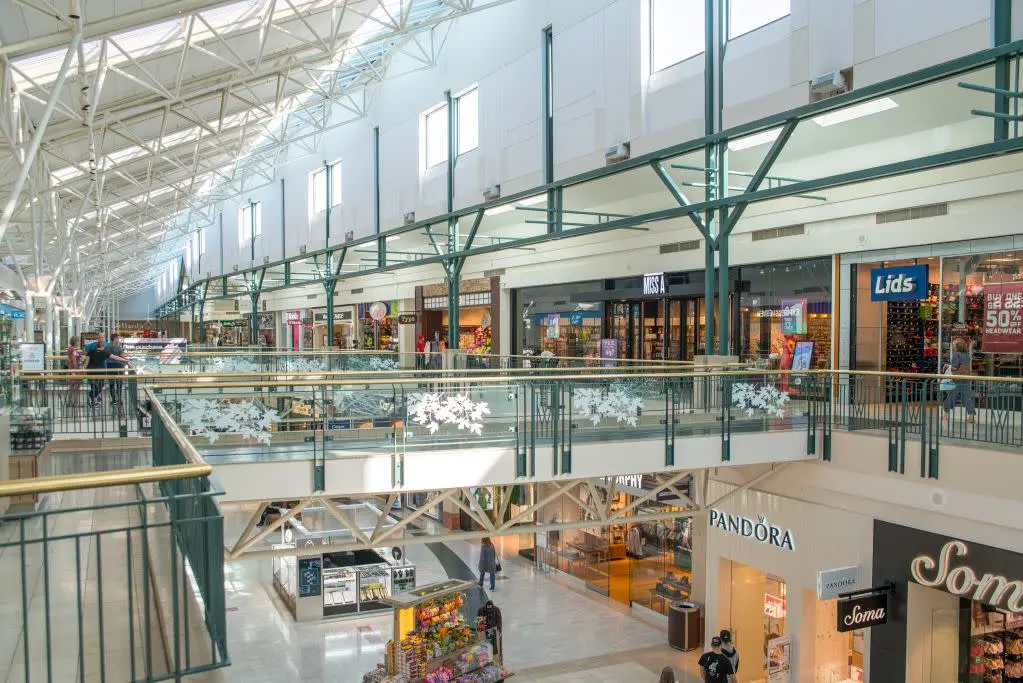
961	365
98	356
116	351
74	366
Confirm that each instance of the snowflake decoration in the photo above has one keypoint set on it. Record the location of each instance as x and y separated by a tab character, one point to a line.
750	398
233	366
363	402
370	363
210	419
615	401
300	364
433	410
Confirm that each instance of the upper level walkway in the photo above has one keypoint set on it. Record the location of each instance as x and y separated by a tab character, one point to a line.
354	424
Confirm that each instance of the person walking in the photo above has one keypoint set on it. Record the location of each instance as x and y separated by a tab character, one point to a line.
492	625
961	365
116	350
488	564
667	675
74	366
715	665
728	650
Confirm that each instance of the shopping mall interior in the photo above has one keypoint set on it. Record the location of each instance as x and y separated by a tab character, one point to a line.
463	341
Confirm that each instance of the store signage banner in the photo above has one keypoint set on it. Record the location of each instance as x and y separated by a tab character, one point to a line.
553	326
758	529
407	319
1003	318
793	316
947	572
900	283
655	284
609	352
309	581
832	582
863	611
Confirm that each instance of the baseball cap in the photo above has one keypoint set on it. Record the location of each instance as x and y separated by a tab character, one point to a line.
726	636
715	642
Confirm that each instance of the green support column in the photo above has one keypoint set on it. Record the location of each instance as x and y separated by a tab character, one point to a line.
453	296
254	319
329	285
1001	33
191	329
202	320
710	179
331	276
724	282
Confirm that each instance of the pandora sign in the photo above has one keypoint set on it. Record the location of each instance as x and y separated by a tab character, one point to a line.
950	573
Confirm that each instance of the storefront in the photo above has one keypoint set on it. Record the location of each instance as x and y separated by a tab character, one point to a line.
645	565
343	336
227	332
763	569
478	314
780	312
903	315
136	328
378	326
297	330
956	612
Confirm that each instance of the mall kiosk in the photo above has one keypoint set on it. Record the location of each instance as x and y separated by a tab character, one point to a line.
435	641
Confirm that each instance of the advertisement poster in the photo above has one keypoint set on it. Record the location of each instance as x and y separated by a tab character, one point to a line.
1003	318
309	582
793	316
609	352
774	607
779	654
803	355
553	326
33	356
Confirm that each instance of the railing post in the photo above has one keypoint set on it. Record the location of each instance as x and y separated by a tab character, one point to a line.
726	417
566	431
669	422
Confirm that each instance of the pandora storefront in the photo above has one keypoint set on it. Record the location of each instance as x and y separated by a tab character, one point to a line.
956	610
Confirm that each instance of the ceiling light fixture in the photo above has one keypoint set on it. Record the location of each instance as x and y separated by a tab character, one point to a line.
754	140
857	111
505	208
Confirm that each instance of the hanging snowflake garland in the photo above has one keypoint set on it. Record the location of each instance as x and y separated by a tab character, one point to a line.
300	364
434	410
233	366
749	398
210	419
615	402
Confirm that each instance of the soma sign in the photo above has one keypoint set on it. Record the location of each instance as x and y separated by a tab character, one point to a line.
959	578
863	611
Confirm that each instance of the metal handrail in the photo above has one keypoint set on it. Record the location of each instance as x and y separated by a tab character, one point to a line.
196	467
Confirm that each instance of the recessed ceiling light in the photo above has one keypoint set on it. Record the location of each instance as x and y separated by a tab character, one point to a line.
505	208
754	140
857	111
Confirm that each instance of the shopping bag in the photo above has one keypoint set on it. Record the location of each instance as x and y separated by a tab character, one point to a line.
947	384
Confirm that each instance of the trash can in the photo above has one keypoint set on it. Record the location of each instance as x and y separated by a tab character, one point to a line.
685	626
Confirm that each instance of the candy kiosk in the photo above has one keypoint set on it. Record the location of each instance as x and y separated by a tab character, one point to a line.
435	641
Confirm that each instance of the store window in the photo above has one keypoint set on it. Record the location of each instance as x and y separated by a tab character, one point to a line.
550	319
757	616
915	334
747	15
785	315
435	128
676	31
250	222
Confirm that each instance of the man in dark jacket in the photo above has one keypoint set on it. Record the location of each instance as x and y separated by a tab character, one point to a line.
728	650
491	614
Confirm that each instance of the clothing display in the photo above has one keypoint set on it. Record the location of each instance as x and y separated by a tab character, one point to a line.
634	541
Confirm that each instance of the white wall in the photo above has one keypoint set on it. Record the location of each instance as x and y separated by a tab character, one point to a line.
139	306
604	94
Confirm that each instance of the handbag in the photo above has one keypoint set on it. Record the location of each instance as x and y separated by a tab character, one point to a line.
499	565
947	384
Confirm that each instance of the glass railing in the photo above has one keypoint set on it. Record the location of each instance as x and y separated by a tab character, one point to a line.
116	575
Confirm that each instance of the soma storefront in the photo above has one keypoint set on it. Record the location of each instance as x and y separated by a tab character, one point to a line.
956	613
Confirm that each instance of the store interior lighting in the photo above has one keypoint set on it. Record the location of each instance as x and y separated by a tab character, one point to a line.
857	111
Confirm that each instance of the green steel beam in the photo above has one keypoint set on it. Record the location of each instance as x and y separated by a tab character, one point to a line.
931	74
676	193
1001	34
761	173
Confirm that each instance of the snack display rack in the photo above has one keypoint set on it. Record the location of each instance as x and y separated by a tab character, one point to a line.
434	641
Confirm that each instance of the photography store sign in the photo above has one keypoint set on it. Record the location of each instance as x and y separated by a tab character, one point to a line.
863	611
1003	318
900	283
758	529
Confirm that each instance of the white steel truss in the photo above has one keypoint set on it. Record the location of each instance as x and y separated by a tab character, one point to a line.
120	132
592	497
